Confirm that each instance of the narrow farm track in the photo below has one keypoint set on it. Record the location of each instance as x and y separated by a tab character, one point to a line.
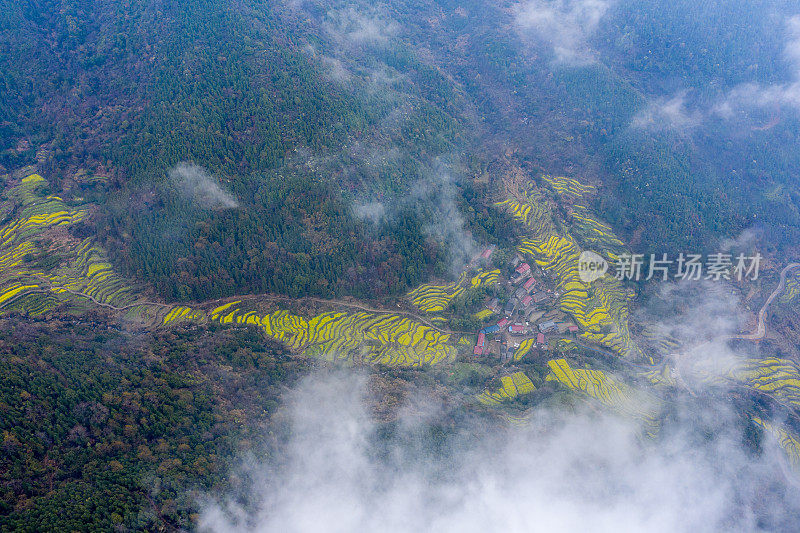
346	304
92	298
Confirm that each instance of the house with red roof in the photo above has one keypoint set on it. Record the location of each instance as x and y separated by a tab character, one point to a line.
481	344
529	284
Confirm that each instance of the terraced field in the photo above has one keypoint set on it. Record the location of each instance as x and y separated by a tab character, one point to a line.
659	342
483	314
776	378
488	277
40	270
608	391
84	177
600	308
435	298
788	442
532	210
594	234
23	283
792	290
566	345
524	349
182	313
431	298
89	274
568	188
386	339
43	267
512	386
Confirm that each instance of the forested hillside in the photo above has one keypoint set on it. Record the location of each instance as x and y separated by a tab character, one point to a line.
304	111
103	429
134	92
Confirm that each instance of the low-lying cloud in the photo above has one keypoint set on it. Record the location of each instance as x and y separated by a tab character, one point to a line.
374	212
694	312
668	113
194	183
336	69
750	95
675	113
746	242
433	197
565	471
565	25
445	222
357	27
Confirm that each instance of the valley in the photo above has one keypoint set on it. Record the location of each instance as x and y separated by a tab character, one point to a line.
416	265
537	323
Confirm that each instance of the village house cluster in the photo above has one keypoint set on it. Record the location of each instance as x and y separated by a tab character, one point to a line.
529	314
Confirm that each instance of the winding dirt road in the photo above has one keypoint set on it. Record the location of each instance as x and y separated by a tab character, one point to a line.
757	335
677	358
761	329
